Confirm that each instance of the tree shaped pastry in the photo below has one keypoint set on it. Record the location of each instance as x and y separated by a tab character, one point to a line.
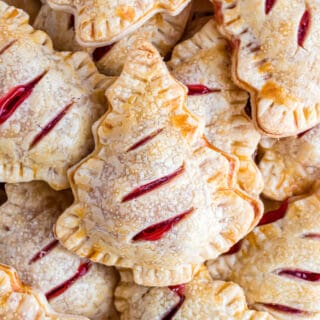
154	196
32	7
48	103
278	264
163	30
203	64
71	285
202	298
291	165
275	53
105	22
19	302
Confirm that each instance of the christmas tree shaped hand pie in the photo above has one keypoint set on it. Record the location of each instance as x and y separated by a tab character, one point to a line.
154	196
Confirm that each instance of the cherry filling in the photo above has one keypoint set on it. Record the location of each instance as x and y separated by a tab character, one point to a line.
98	53
180	291
303	27
138	192
50	126
300	135
145	140
282	308
269	5
300	274
7	46
15	97
60	289
234	249
157	231
315	236
44	251
199	89
274	215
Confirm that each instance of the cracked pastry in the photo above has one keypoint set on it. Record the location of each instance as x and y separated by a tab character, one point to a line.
48	103
277	264
70	284
275	58
203	64
154	196
99	23
202	298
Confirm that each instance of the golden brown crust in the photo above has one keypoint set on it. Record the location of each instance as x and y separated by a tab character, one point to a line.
271	63
49	128
278	263
19	302
148	104
32	7
101	23
205	60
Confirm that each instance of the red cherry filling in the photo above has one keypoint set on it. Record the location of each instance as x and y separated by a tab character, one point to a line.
234	249
6	47
303	27
282	308
180	291
98	53
157	231
60	289
50	126
315	236
138	192
144	140
199	89
44	251
274	215
15	97
269	5
300	135
300	274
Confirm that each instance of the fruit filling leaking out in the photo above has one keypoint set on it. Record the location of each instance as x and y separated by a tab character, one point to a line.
98	53
304	27
300	274
283	308
44	251
10	102
199	89
83	269
274	215
145	140
49	126
157	231
269	5
180	291
138	192
234	249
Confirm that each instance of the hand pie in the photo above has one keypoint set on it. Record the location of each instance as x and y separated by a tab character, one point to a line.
48	103
202	298
278	264
71	285
290	166
100	23
203	64
32	7
162	30
19	302
154	196
276	51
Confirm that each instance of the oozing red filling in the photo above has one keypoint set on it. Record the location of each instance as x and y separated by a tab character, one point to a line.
274	215
303	27
303	275
180	291
199	89
60	289
138	192
7	46
282	308
144	140
44	251
234	249
98	53
269	5
315	236
300	135
157	231
50	126
15	97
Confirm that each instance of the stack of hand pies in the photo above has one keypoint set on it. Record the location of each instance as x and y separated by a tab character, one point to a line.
159	160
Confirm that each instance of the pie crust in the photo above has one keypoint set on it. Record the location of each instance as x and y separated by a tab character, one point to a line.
32	7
